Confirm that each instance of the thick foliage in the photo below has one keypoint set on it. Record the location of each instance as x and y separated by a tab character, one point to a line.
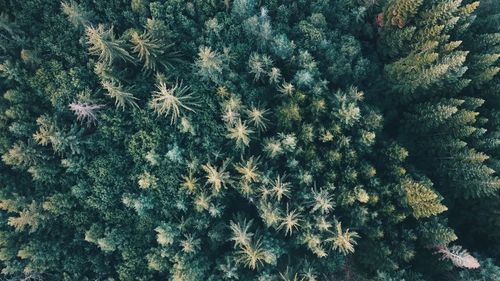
249	140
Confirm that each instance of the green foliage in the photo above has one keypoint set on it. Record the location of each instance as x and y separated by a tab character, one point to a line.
122	97
76	15
209	64
147	49
423	58
102	43
422	200
250	140
170	101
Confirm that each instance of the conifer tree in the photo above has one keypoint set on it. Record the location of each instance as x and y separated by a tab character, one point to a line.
426	46
146	48
481	38
263	140
422	200
170	101
122	97
434	61
102	43
443	126
76	15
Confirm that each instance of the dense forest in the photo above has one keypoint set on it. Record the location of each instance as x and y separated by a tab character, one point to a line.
268	140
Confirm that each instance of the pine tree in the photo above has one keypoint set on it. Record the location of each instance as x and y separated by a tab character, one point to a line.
170	101
103	44
76	15
147	49
122	97
343	240
352	138
209	64
240	133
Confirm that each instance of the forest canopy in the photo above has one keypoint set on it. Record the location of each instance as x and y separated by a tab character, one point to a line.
302	140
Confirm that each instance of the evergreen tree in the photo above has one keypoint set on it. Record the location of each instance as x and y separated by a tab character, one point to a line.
103	43
250	140
441	122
